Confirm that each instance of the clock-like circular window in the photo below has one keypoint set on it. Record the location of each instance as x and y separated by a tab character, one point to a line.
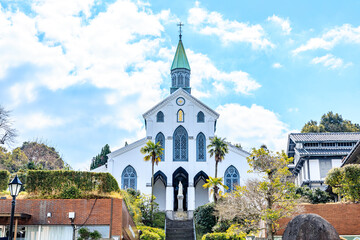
180	101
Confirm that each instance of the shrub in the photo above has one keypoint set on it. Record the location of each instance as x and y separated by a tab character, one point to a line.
221	236
314	196
132	204
345	181
4	179
150	233
85	234
52	182
204	218
144	204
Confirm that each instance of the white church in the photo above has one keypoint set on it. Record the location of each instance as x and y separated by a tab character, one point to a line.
184	126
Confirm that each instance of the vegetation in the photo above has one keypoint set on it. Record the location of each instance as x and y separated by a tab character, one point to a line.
314	196
213	183
217	148
204	218
151	233
69	184
232	233
331	122
7	132
31	155
153	153
85	234
4	180
270	199
345	182
101	158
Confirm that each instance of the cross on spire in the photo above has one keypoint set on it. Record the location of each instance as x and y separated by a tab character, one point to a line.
180	25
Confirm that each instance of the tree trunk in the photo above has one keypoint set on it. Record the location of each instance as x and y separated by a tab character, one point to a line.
269	229
152	192
216	189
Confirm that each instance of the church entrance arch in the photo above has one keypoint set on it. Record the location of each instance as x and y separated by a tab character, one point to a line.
180	175
201	193
160	182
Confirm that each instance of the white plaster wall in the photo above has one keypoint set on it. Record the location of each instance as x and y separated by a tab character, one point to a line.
160	194
314	169
201	194
336	163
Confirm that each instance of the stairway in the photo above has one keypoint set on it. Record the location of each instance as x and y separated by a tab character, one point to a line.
179	230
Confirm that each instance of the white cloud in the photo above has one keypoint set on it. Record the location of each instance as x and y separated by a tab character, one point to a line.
252	126
40	120
343	34
284	23
277	65
329	61
213	23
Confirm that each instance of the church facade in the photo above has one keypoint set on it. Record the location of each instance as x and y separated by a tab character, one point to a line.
184	127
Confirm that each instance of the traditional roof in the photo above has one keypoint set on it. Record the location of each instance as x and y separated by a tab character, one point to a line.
323	151
173	96
180	59
322	137
352	157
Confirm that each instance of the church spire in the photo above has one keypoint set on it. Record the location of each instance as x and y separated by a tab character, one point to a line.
180	68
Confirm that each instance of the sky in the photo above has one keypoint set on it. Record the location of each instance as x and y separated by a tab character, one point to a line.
79	74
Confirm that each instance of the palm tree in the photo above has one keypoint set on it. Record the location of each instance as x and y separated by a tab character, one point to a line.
154	152
217	148
213	183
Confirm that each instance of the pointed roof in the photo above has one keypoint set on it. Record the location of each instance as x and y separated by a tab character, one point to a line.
180	59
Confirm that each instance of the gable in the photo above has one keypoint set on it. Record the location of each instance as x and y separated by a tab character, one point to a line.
188	97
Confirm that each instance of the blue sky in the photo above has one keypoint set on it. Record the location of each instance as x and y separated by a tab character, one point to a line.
79	73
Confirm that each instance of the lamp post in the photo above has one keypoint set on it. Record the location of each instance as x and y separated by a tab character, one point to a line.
14	187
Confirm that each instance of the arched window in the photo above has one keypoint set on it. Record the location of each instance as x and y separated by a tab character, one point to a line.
200	148
180	144
232	178
200	117
128	178
160	117
180	116
161	138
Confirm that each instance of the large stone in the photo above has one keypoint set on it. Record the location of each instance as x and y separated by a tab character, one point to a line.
310	227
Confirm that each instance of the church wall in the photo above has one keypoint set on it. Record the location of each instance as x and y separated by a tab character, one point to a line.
201	194
160	194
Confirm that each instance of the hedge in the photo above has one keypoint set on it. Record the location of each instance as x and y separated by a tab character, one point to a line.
150	233
68	182
221	236
204	218
4	179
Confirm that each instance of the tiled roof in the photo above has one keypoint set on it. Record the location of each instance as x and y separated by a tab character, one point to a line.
323	151
322	137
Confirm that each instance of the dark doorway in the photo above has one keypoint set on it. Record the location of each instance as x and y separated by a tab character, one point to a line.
180	175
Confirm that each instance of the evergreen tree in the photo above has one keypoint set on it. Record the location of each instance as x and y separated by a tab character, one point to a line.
101	158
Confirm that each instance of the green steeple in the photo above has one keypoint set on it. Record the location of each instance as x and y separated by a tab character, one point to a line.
180	59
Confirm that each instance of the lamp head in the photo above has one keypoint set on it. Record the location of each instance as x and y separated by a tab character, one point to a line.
15	186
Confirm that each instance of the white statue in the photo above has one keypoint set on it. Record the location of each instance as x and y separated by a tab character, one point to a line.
180	189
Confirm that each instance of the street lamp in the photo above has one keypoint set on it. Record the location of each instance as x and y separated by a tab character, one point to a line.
14	187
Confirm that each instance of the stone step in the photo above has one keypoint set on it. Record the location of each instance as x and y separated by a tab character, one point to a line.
179	230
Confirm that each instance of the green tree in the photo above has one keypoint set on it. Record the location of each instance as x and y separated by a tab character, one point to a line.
269	199
101	158
314	196
213	184
217	148
153	153
345	181
331	122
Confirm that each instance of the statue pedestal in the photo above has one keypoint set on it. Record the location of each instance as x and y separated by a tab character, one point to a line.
180	203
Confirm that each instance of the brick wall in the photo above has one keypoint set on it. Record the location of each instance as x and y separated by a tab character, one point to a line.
344	217
88	212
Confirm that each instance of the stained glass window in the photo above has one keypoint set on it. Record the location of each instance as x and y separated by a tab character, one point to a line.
180	116
128	178
232	178
200	117
200	147
180	144
160	117
161	138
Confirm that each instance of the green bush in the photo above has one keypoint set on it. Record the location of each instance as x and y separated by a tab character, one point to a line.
222	236
53	182
345	181
85	234
4	179
204	218
150	233
314	196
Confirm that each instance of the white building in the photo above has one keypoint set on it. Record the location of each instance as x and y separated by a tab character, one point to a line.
184	126
316	153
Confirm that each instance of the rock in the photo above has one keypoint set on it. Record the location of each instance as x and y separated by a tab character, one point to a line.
310	227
